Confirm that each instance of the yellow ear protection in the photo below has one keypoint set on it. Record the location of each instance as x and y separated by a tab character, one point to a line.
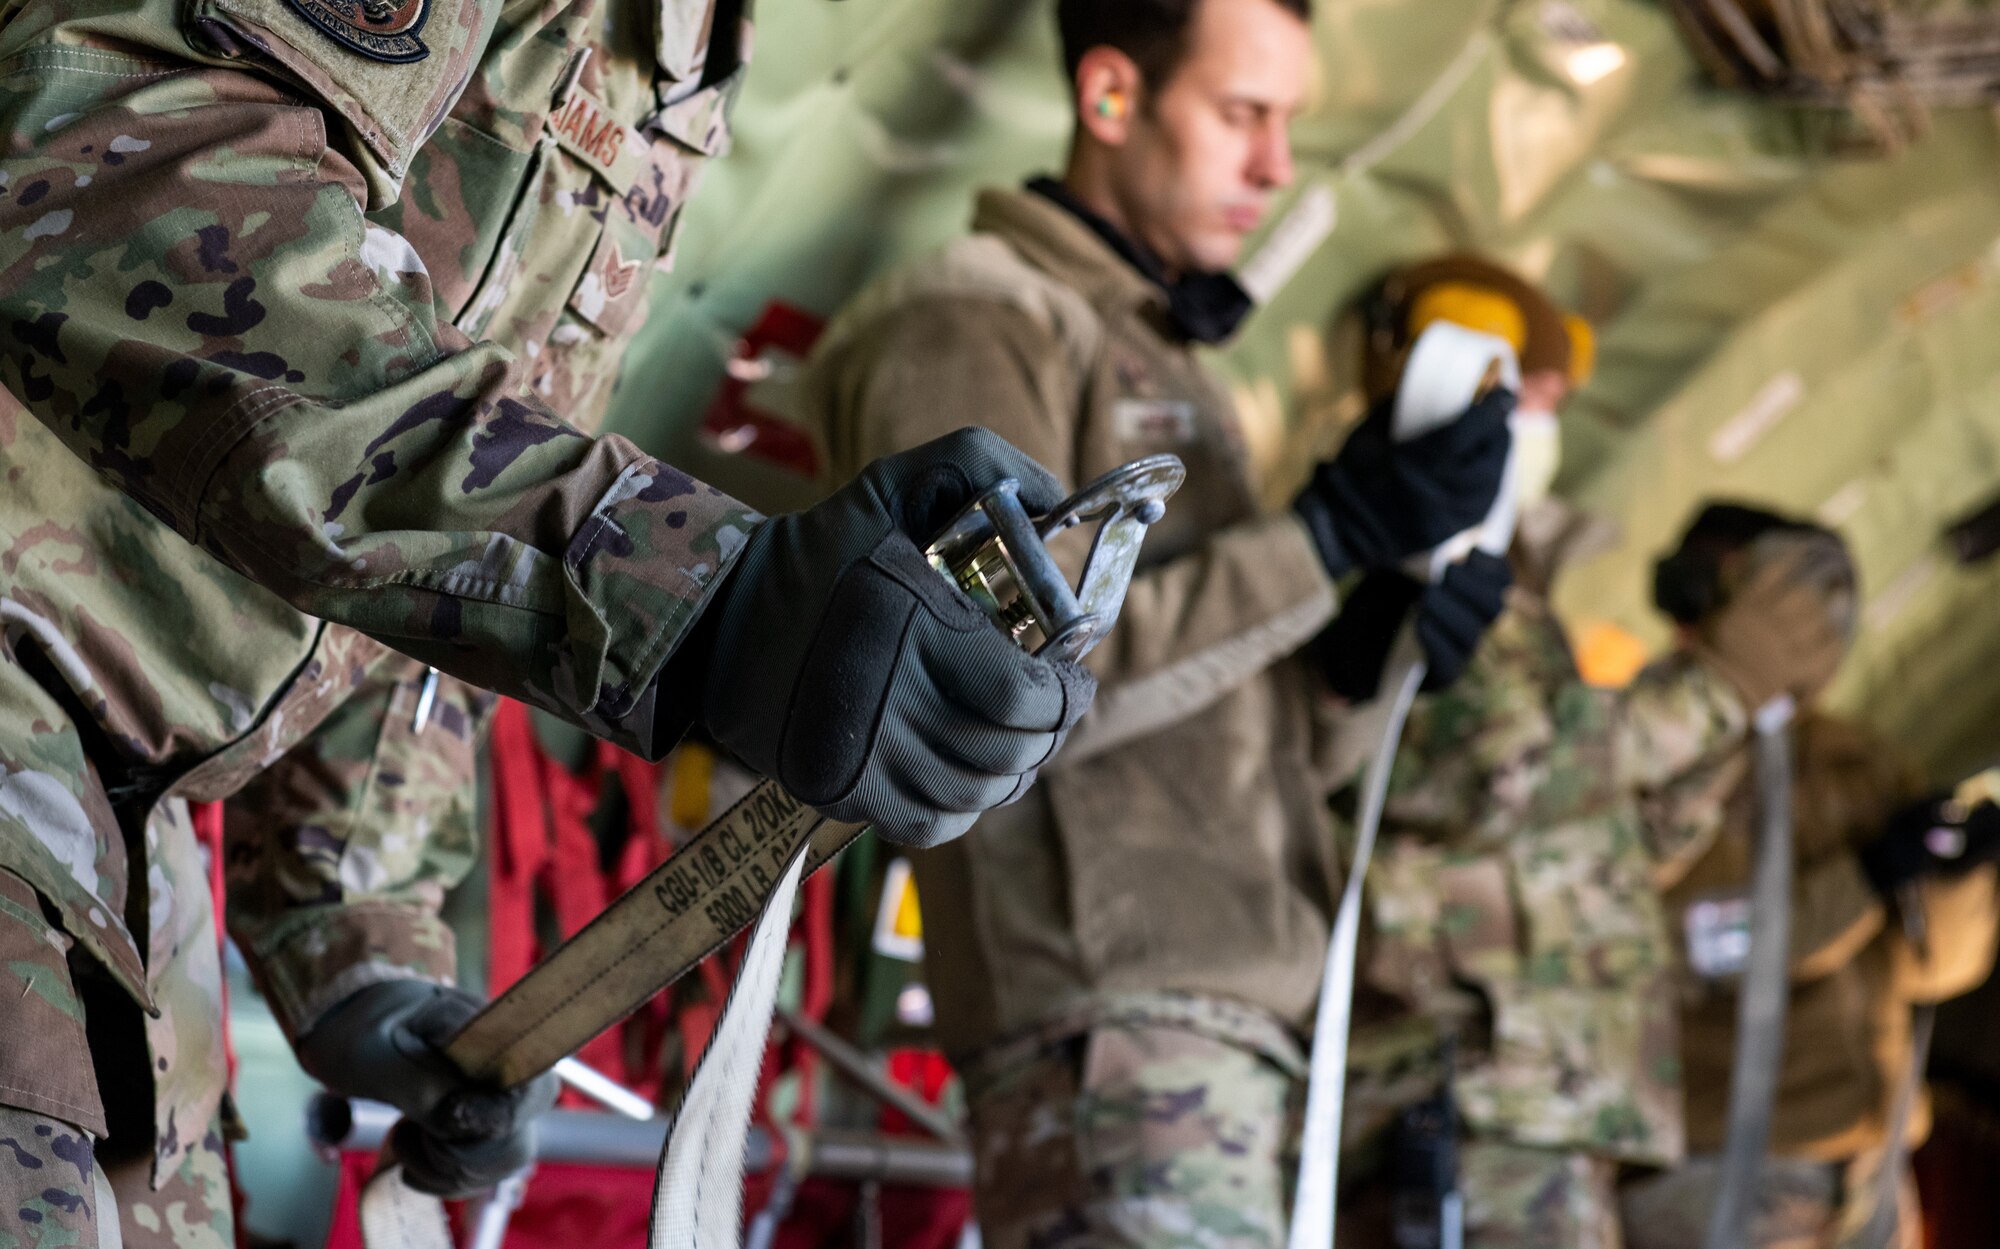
1474	307
1111	105
1582	348
1493	312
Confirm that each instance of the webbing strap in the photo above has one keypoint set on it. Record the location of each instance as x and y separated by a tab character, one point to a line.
1887	1218
1326	1089
698	1193
747	866
1765	990
651	936
396	1216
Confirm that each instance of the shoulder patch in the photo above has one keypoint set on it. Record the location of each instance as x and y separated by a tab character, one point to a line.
383	30
390	69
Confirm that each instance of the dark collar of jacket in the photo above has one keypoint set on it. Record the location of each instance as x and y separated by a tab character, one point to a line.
1057	234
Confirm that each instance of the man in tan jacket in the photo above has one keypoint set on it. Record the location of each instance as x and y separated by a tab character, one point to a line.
1123	961
1893	906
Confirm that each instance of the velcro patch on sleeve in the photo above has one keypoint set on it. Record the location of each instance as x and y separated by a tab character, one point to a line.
392	69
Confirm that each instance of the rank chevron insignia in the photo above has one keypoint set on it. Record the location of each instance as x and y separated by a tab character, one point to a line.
619	274
382	30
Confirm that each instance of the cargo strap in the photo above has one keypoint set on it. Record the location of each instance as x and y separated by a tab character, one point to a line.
1449	368
1886	1220
1765	990
744	869
747	866
1313	1205
660	929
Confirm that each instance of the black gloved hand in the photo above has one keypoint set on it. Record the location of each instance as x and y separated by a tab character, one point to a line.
1457	612
1935	837
1379	501
851	671
1451	618
457	1135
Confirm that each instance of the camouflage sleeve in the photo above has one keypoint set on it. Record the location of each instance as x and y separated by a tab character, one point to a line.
198	307
1675	739
1681	819
339	854
1674	717
1193	627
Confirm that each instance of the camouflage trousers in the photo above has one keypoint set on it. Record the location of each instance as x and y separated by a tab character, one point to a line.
55	1195
1519	1197
1132	1137
62	1184
1799	1205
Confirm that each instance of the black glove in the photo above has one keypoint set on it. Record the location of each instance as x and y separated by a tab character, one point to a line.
859	677
1451	618
1935	837
458	1135
1379	501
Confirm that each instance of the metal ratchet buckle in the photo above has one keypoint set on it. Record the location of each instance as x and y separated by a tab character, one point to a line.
1000	558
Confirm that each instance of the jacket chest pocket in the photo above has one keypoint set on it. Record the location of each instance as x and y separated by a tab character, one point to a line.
1156	414
595	211
642	220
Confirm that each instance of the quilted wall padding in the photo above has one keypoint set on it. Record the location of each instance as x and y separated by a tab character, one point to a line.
1779	319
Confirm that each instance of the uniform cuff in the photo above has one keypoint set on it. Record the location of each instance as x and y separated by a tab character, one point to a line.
648	562
316	957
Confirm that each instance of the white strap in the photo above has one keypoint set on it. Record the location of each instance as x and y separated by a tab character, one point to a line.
698	1194
110	1230
1326	1088
396	1216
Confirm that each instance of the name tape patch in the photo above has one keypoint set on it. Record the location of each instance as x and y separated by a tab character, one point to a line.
587	130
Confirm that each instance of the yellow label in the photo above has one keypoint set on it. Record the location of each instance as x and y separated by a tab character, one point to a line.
899	922
693	785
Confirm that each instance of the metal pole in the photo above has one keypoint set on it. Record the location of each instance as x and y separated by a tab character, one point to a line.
593	1139
489	1213
856	1066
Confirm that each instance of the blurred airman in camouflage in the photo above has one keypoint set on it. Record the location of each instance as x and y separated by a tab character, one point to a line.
1518	955
310	305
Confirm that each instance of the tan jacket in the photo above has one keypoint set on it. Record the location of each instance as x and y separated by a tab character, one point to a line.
1854	973
1180	842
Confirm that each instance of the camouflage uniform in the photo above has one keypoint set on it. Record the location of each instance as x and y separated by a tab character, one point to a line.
1135	1125
306	311
1513	908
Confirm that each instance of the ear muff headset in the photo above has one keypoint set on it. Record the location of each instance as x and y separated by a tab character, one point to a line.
1474	307
1582	348
1479	295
